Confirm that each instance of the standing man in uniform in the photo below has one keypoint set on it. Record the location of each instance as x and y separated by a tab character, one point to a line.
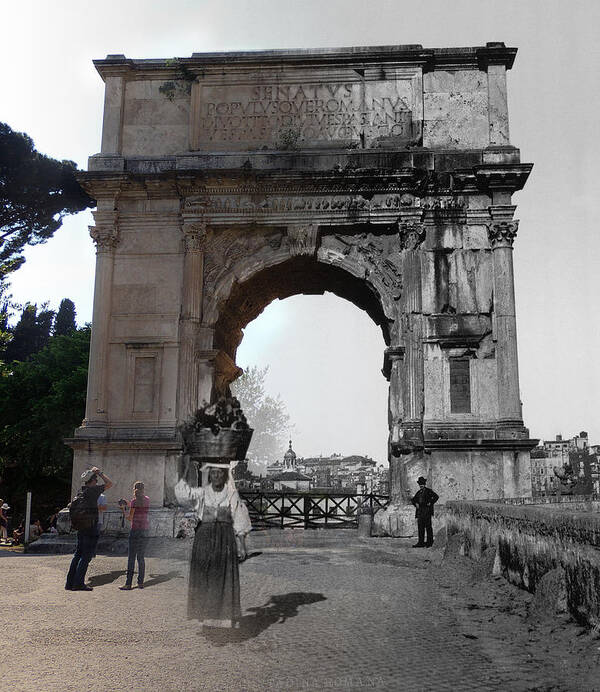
87	537
424	500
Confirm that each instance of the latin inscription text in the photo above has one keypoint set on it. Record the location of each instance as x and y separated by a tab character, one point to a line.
305	112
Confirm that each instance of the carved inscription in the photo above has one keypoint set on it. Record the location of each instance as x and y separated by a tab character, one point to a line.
290	115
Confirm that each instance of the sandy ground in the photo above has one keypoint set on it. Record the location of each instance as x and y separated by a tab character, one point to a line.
335	614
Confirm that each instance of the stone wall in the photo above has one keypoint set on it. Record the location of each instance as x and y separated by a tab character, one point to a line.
551	550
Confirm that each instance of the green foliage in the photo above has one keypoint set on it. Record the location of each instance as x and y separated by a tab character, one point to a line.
182	84
36	192
5	307
30	334
64	321
266	414
42	401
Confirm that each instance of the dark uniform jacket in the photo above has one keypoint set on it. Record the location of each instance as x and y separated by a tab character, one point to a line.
424	500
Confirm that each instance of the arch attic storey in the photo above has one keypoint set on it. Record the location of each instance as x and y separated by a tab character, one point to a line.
387	180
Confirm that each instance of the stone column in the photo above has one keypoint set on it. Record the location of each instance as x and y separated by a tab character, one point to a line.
502	232
412	234
194	235
106	236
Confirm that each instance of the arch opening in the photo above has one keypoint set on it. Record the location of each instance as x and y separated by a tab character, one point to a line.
322	353
297	275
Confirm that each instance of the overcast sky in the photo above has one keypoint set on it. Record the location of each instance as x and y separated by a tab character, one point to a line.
325	355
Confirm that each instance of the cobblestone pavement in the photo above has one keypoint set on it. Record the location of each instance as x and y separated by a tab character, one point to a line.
320	612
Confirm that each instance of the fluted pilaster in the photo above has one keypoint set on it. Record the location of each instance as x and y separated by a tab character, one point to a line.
105	234
194	236
502	232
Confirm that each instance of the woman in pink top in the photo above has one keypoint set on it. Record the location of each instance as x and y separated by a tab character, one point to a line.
138	535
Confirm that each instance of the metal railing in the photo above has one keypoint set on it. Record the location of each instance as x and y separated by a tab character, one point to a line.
289	509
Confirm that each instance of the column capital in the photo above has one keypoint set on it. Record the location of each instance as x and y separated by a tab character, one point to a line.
105	232
411	234
502	233
411	230
194	235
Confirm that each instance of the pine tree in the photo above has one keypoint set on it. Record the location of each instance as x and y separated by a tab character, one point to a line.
65	318
30	334
36	191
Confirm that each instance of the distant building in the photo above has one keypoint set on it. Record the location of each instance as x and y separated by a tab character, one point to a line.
286	476
243	477
354	473
291	480
558	453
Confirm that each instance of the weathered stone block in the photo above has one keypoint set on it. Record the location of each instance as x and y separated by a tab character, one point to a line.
157	140
475	238
397	520
550	596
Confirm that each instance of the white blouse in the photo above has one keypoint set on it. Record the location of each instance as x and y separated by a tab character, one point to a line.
204	498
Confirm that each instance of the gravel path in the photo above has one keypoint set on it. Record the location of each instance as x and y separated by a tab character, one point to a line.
336	614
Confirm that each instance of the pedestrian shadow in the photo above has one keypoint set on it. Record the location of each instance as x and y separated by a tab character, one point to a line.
160	578
108	578
254	553
277	610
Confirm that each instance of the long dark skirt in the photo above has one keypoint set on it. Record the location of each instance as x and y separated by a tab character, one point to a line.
214	590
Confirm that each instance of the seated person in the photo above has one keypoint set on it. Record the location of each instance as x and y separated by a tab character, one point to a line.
51	521
35	530
19	534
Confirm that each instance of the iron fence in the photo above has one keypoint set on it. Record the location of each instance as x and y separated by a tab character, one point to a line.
288	509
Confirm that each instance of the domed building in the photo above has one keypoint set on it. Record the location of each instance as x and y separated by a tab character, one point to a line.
285	475
289	459
288	463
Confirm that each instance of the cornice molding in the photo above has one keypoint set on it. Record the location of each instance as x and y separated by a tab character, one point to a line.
413	55
502	177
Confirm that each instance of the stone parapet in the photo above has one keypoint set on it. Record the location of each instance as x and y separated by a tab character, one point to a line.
535	545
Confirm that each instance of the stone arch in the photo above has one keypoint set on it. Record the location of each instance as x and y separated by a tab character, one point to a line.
408	214
237	301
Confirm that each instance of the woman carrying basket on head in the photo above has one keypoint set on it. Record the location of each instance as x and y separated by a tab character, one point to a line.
219	544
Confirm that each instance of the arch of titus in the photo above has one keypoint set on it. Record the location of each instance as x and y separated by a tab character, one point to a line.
384	175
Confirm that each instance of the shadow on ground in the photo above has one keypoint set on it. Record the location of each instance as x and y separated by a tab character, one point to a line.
277	610
160	578
255	553
108	578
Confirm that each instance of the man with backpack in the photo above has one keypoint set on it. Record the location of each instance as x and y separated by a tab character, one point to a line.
83	511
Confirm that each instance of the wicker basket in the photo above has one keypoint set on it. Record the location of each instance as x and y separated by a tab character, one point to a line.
226	444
